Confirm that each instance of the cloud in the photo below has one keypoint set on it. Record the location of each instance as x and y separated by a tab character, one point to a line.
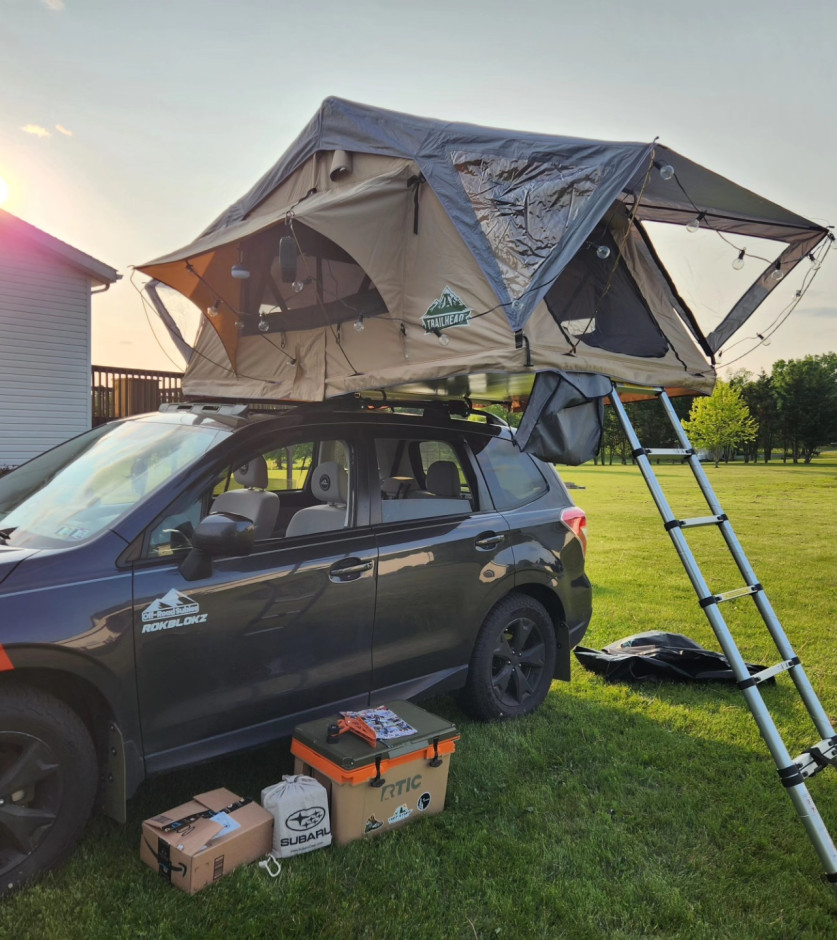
36	130
56	5
63	130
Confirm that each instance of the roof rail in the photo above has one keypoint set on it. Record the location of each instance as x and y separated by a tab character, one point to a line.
206	408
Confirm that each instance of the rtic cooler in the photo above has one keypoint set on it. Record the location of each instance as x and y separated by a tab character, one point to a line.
375	789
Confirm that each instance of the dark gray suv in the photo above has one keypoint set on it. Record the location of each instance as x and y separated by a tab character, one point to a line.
188	583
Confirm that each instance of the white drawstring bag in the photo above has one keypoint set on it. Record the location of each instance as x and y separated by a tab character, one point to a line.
299	806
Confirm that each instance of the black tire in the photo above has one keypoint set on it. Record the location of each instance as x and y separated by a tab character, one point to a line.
513	661
48	781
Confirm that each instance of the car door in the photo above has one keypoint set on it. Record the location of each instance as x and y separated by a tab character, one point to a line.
238	657
444	559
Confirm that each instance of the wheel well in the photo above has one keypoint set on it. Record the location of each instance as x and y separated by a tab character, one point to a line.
552	603
84	699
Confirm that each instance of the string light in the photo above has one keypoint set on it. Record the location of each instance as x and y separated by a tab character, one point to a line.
298	287
212	311
603	252
239	272
738	262
264	326
443	338
694	225
666	170
777	273
358	324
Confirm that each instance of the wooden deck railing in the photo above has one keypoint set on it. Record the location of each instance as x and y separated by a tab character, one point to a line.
118	393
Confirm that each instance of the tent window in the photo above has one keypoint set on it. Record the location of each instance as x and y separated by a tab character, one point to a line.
619	320
524	207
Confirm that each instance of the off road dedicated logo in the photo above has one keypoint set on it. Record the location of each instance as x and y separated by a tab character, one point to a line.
173	609
445	312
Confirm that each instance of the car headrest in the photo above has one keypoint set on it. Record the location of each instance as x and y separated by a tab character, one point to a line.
330	483
253	474
443	479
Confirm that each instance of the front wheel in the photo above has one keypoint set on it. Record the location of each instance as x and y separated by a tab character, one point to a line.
513	661
48	780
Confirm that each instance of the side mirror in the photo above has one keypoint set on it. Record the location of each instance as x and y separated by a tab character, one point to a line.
218	534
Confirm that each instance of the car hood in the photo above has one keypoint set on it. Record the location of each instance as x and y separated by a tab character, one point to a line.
11	557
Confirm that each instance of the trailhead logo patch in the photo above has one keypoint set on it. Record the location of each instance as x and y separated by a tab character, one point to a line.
445	312
173	609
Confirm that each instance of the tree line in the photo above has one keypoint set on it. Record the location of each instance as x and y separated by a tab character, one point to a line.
789	413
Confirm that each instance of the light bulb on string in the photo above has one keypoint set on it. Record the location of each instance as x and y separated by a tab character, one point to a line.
358	324
298	287
239	272
264	326
443	338
777	273
765	341
694	225
738	263
212	311
603	252
666	171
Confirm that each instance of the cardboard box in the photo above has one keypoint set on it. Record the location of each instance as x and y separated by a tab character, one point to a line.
374	790
193	846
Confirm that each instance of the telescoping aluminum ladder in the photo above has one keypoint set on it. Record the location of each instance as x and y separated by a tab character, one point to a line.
793	772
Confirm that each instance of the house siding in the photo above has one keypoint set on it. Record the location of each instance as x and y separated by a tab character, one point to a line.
44	351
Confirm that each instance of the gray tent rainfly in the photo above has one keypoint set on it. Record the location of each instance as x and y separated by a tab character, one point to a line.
385	250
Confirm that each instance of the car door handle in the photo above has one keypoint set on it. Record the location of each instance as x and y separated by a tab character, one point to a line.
349	569
488	540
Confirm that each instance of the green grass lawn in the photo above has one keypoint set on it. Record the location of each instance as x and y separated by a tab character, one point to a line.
645	810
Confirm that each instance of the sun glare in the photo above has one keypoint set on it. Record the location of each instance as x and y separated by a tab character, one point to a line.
4	190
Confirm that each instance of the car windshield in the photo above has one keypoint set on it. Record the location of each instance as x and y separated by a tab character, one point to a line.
75	491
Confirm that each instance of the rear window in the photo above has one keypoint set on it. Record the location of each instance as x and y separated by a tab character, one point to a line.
513	477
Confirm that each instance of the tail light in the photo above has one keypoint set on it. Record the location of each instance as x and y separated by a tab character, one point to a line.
576	520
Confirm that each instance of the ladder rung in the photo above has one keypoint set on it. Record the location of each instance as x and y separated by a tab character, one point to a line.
768	673
701	520
817	758
731	595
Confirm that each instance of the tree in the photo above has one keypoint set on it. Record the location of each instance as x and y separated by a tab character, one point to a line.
806	397
761	400
722	420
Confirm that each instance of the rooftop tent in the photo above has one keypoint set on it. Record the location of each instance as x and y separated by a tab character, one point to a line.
388	250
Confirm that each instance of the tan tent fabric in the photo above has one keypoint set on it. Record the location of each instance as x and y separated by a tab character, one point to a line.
393	260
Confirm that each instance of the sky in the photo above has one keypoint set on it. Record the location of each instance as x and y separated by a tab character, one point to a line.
126	128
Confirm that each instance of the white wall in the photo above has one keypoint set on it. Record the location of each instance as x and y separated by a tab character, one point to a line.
44	351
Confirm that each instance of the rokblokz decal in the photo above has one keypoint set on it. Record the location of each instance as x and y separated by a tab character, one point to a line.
173	609
403	812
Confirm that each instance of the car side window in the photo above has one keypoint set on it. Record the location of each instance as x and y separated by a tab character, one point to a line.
292	489
172	534
512	476
421	479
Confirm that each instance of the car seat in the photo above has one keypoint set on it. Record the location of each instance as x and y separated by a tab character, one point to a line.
329	483
253	501
443	480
